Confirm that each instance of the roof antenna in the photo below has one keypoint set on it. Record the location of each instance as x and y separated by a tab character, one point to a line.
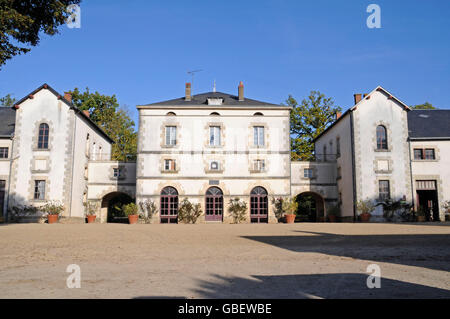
192	73
214	88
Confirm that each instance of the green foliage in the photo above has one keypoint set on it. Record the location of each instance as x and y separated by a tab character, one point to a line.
289	205
129	209
91	208
52	208
334	210
237	209
308	120
148	209
425	106
7	101
188	212
278	207
390	207
305	204
22	21
365	206
104	110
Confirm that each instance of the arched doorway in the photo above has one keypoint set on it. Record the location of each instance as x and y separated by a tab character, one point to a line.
112	204
311	207
169	205
259	205
214	204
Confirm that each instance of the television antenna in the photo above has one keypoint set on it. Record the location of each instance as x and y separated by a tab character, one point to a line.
192	73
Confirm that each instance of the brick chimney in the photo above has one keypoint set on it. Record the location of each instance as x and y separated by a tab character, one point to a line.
188	92
86	112
68	96
241	91
338	115
357	98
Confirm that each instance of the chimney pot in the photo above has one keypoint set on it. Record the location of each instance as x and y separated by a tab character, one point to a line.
188	92
86	112
357	98
338	115
68	96
241	91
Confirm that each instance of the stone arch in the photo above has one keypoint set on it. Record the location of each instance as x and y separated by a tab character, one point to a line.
311	206
109	206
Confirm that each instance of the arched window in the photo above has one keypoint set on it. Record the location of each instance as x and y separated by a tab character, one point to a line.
258	114
171	114
381	138
43	136
169	205
259	208
214	204
214	114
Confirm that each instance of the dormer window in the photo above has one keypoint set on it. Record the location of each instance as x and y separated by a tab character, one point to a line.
215	100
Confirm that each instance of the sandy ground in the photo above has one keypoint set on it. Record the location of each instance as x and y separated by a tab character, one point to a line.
225	261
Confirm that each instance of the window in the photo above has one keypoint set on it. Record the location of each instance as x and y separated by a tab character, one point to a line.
169	165
384	190
308	173
381	138
258	135
259	165
3	152
424	154
214	204
39	190
338	147
43	136
171	135
214	135
169	205
88	144
259	205
117	172
214	166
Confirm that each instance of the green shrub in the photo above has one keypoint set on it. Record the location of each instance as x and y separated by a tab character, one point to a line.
130	209
148	210
237	209
188	212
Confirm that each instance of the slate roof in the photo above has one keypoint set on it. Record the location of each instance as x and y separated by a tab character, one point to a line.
429	124
7	120
202	99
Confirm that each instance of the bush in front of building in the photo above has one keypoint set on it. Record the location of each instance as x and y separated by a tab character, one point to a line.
365	207
148	210
188	213
238	210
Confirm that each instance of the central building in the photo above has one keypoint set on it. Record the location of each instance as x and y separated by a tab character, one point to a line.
210	148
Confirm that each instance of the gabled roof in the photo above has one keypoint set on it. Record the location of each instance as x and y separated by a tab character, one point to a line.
69	104
429	124
8	121
202	99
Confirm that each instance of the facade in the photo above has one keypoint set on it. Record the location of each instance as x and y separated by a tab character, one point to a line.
213	147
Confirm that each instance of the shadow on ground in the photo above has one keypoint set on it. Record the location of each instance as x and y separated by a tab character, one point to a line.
429	251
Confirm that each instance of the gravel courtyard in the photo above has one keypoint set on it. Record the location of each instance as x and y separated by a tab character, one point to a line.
225	261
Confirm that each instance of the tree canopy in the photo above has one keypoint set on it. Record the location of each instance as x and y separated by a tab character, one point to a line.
21	21
105	111
7	101
425	106
308	120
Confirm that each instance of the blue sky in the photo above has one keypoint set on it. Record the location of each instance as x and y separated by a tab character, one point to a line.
141	50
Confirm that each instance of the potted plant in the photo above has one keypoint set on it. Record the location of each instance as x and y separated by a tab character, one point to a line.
365	207
131	210
53	209
290	206
421	215
90	212
333	213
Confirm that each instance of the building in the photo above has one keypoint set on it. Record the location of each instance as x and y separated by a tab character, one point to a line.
213	147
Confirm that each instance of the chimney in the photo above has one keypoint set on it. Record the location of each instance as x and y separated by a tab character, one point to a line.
357	98
86	112
68	96
188	92
338	115
241	91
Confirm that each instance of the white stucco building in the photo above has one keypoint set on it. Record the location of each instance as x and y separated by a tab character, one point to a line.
213	147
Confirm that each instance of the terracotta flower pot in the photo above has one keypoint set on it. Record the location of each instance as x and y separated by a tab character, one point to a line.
133	219
421	219
91	219
365	217
52	219
332	218
290	218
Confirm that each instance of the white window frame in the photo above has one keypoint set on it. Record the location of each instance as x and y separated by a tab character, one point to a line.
171	135
259	165
310	174
214	135
258	136
169	165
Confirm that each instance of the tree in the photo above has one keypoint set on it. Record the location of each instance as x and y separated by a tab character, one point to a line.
104	110
308	120
7	101
21	21
425	106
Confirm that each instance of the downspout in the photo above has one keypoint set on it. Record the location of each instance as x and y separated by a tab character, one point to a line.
10	177
73	163
410	173
353	164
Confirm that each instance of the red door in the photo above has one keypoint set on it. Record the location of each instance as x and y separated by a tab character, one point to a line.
214	204
259	206
169	205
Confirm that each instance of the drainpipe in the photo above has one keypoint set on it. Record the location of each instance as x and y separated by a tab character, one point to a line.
353	164
410	173
73	163
10	176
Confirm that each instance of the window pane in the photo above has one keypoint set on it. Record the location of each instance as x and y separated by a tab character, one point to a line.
381	137
417	154
214	136
429	154
384	191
